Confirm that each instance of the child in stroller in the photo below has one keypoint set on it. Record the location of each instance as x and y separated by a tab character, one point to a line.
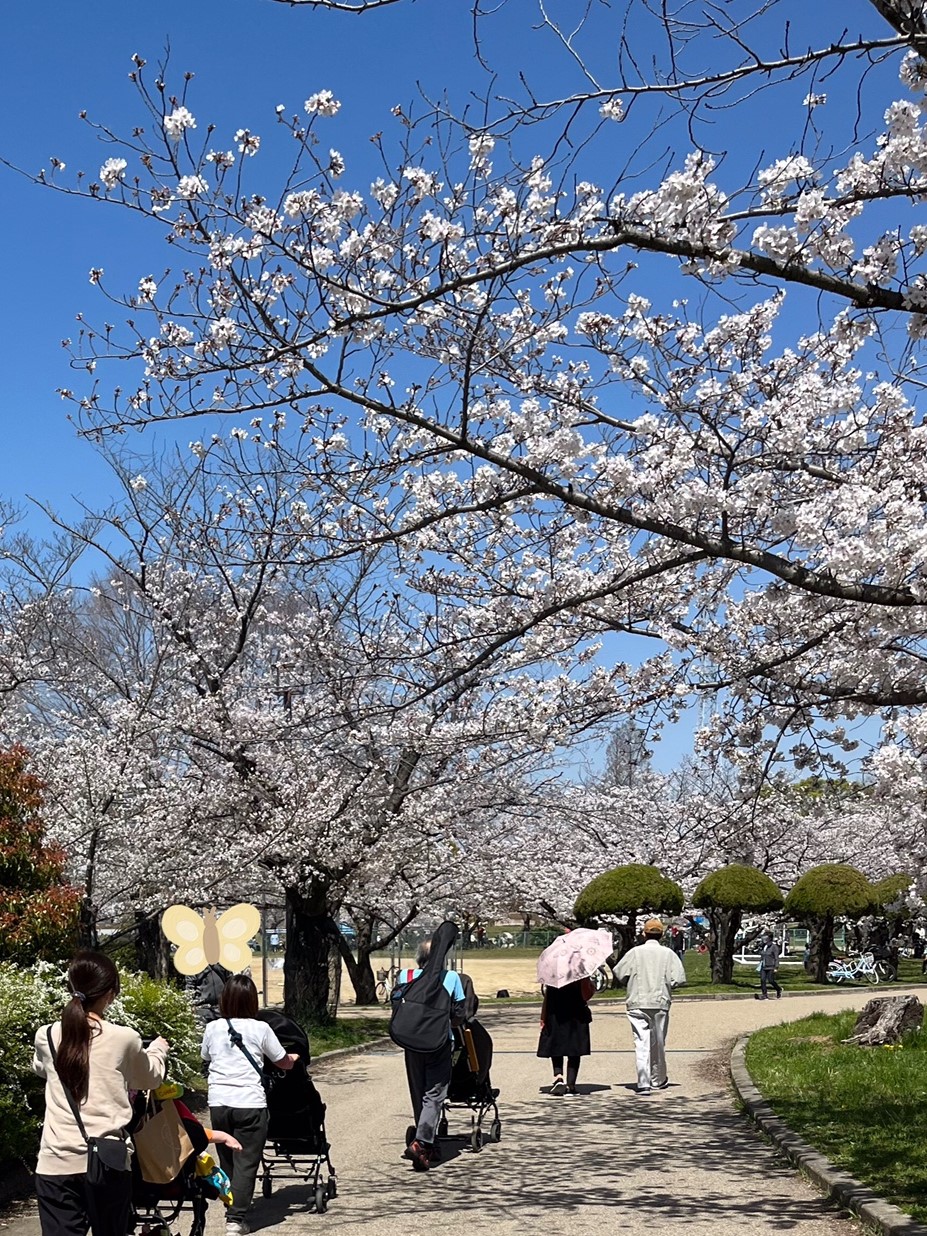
188	1177
297	1147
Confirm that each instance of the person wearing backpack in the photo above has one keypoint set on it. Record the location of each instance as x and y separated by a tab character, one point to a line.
427	1003
235	1047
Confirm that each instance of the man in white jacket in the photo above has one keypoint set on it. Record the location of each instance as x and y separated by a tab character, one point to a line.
651	972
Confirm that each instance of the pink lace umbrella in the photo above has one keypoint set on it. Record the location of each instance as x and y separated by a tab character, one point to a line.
575	955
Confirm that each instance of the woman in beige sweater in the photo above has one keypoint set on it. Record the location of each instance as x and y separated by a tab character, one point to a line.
97	1064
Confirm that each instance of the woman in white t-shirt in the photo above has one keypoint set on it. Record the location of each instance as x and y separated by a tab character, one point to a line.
237	1101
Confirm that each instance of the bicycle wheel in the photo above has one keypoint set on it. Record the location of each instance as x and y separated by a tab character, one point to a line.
884	971
871	975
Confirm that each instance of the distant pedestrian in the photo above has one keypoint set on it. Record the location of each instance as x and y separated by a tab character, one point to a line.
565	1018
769	964
651	972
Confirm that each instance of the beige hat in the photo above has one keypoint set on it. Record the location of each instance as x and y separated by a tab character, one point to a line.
653	927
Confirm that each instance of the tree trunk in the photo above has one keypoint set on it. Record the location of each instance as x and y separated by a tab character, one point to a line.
369	941
87	935
724	926
625	933
152	949
359	968
821	947
312	961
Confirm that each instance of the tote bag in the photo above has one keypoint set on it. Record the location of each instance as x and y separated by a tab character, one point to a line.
162	1144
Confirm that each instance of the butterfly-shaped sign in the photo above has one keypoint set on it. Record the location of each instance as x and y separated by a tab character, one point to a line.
204	940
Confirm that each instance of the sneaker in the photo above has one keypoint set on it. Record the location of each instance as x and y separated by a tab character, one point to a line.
642	1090
559	1086
434	1154
418	1152
661	1085
571	1093
779	994
235	1227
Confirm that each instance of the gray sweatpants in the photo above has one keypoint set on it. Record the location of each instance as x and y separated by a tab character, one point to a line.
429	1077
649	1027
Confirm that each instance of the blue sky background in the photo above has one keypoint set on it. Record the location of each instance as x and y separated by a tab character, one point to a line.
248	56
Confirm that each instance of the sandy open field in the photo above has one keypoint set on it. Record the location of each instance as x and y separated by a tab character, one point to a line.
490	970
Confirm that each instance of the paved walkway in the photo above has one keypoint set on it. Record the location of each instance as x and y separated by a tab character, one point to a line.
679	1160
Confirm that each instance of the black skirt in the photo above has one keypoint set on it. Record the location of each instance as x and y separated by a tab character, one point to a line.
566	1024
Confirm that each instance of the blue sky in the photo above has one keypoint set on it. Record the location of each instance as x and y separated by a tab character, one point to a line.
248	56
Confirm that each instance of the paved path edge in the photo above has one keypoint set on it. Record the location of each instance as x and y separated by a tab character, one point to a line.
844	1189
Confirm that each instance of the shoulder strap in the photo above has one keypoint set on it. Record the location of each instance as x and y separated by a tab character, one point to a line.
67	1093
239	1042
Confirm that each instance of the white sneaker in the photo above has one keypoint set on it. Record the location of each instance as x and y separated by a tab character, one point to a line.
235	1227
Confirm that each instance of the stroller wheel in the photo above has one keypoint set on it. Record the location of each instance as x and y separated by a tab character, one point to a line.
442	1127
495	1131
332	1187
410	1134
476	1140
321	1199
267	1185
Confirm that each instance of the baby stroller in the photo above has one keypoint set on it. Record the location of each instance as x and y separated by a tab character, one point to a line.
470	1085
157	1207
297	1147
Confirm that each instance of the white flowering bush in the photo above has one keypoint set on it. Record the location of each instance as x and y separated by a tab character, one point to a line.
34	996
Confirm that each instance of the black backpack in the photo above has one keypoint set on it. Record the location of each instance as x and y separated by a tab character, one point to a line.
415	1025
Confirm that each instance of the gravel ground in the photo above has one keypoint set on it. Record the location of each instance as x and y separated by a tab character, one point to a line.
681	1159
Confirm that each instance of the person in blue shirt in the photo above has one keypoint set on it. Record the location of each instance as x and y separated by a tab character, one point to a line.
429	1074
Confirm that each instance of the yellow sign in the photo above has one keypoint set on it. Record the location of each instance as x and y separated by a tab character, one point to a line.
204	940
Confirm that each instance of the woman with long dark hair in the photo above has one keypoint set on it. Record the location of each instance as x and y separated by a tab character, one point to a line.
89	1066
235	1047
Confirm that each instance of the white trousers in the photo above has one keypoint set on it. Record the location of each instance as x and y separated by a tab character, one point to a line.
649	1027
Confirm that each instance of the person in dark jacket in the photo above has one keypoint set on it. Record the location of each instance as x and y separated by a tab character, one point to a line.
565	1018
769	964
429	1073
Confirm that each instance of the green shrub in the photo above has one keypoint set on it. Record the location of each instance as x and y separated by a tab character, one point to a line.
737	887
152	1008
628	890
31	997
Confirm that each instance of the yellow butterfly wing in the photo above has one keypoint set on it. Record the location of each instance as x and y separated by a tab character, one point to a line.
235	928
185	928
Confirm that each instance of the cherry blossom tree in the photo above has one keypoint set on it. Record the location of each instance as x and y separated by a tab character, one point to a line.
229	705
638	385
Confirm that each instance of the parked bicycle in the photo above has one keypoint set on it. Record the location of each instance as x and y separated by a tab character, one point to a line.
861	969
386	981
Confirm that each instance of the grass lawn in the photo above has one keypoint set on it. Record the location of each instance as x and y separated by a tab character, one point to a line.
863	1107
791	978
345	1032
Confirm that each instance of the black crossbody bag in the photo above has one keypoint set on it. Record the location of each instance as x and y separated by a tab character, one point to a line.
105	1155
235	1036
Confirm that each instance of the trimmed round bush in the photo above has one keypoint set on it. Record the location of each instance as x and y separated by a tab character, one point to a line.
628	890
832	889
738	887
892	888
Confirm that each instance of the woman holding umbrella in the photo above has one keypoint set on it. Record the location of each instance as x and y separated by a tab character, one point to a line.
564	968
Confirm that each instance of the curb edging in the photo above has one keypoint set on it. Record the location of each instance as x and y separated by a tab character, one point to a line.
844	1189
358	1049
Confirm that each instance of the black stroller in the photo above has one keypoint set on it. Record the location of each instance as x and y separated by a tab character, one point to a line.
297	1147
471	1086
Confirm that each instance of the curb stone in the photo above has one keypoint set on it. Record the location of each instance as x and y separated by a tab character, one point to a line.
844	1189
358	1049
